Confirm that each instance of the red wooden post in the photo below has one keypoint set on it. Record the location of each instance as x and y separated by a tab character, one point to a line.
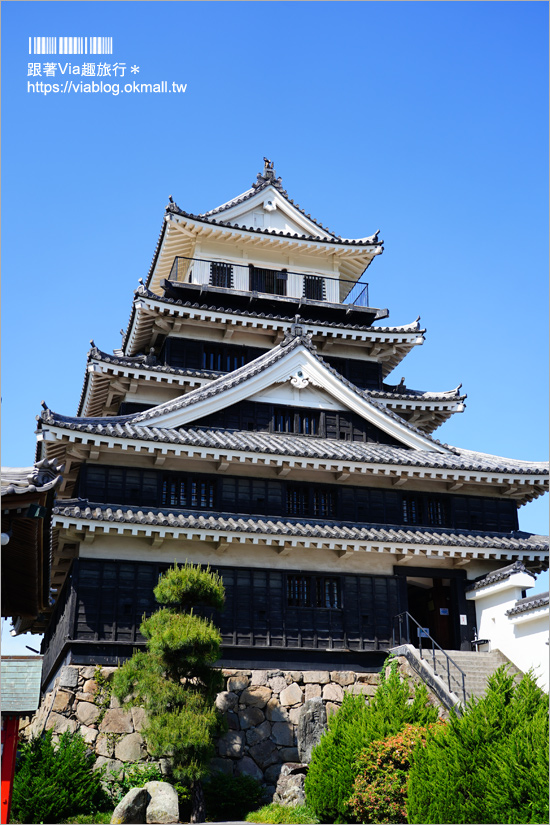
10	730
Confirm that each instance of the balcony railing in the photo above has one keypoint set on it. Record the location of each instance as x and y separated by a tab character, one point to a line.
251	278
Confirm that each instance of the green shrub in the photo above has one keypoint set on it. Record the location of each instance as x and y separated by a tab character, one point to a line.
133	776
380	787
329	781
231	797
491	764
52	784
276	814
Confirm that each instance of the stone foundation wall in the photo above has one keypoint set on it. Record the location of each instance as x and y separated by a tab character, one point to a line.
262	709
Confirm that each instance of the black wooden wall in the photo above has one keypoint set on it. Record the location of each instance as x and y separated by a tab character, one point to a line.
104	603
272	497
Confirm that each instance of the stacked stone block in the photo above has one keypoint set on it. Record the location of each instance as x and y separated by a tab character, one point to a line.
262	709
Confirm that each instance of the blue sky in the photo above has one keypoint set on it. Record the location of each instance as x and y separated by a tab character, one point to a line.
427	120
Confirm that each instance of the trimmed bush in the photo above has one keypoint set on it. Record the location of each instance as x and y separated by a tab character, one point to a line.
332	771
380	787
491	764
276	814
54	783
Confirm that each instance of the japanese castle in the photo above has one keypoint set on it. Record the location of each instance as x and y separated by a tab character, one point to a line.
247	423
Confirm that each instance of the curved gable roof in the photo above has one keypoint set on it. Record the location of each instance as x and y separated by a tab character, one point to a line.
295	359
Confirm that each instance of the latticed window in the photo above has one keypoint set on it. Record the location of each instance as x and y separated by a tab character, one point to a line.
221	274
328	593
177	492
283	420
324	504
307	423
297	501
437	515
173	493
412	511
314	287
299	591
313	591
202	494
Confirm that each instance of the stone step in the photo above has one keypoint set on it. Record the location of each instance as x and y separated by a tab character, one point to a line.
477	667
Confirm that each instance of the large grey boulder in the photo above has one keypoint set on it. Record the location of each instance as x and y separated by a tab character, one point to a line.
132	808
163	807
290	788
311	725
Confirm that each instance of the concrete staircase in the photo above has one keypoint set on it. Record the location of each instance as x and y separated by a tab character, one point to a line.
476	666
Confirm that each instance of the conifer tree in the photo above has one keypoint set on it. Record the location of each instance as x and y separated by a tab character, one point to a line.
332	770
488	765
174	681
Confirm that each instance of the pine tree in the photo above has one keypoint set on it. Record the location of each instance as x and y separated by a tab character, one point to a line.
174	681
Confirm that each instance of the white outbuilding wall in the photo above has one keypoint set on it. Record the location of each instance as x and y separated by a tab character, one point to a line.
522	637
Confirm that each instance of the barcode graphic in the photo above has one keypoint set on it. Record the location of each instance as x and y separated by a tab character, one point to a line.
70	45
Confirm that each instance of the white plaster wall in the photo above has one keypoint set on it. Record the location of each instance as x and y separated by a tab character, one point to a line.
523	639
249	555
530	648
310	397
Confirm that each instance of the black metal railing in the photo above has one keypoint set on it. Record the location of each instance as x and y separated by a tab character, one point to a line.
402	621
252	278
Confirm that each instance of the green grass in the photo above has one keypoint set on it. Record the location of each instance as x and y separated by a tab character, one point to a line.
90	819
275	814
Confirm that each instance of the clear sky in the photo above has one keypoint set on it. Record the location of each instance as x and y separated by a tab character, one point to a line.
427	120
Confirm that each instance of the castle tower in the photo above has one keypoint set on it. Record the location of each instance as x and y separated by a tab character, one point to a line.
246	423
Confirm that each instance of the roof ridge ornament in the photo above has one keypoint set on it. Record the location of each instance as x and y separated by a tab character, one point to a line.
268	177
297	334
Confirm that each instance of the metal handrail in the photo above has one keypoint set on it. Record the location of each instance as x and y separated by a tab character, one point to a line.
404	617
356	292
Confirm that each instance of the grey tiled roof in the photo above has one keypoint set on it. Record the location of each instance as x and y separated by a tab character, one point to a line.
292	340
43	476
138	362
414	327
174	209
499	575
263	182
401	393
21	683
298	446
315	529
529	603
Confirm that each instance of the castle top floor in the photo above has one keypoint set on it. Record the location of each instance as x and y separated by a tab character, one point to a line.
263	247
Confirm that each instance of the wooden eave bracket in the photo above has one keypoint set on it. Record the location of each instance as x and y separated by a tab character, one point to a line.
405	558
284	470
399	482
156	541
